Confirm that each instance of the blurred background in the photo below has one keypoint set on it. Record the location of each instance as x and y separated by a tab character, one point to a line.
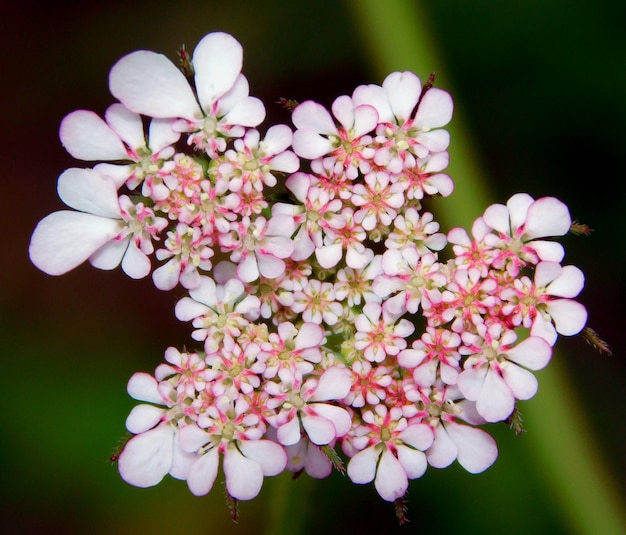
539	107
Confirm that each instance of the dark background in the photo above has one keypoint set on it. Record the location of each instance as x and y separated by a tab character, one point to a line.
540	87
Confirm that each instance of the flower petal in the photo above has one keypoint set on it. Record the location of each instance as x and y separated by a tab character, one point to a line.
244	477
147	457
203	473
88	137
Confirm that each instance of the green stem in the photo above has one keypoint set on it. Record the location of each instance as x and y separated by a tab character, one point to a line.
397	37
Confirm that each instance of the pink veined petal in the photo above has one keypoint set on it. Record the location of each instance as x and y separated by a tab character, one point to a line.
518	208
143	417
569	283
88	137
403	90
334	383
533	353
339	417
443	451
413	461
522	383
320	430
270	456
477	450
362	466
64	240
419	436
496	401
150	84
289	433
391	481
313	116
127	125
88	191
249	111
135	263
547	217
435	109
217	61
569	316
203	473
147	457
244	477
109	255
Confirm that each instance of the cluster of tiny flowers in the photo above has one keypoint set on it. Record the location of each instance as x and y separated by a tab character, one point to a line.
326	323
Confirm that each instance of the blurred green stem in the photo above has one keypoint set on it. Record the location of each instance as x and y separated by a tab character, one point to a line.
397	37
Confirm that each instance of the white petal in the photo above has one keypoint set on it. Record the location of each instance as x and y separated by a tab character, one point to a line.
362	467
443	451
334	383
244	477
127	125
289	433
89	191
339	417
310	145
522	383
419	436
203	473
147	457
435	109
403	90
269	455
518	208
391	481
161	134
533	353
547	217
569	283
496	401
249	111
217	62
109	255
413	461
88	137
64	240
150	84
143	417
314	117
477	450
135	263
569	316
320	430
143	387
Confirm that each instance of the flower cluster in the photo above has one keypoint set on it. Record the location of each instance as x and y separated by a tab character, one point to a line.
325	315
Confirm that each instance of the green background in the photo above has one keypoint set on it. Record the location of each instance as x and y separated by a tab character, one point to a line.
539	107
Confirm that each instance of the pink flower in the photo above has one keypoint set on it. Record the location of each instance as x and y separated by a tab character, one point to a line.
153	452
100	230
380	332
394	452
496	372
150	84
